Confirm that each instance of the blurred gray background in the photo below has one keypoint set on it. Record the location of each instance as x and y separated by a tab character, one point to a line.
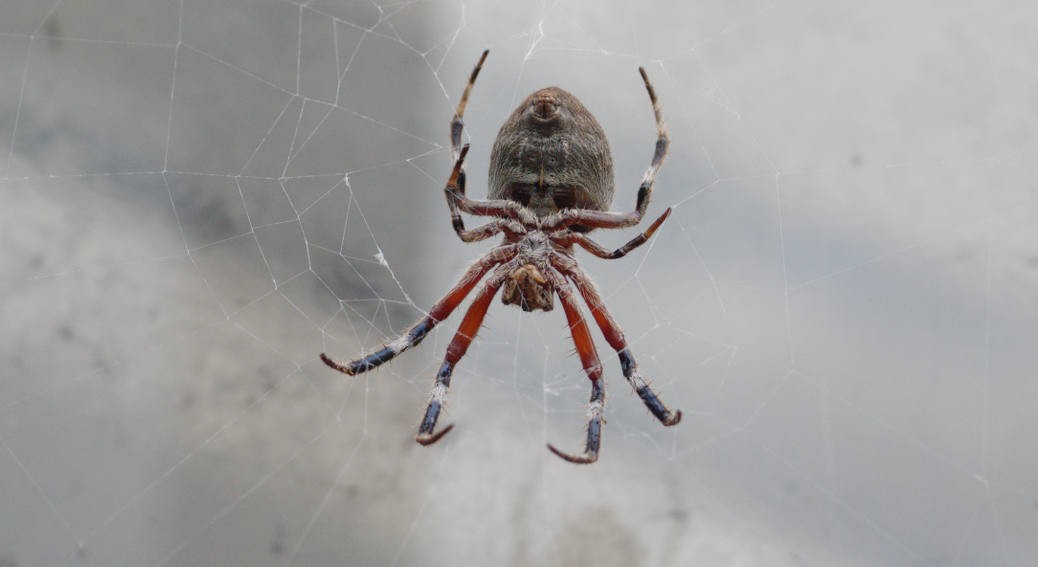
199	197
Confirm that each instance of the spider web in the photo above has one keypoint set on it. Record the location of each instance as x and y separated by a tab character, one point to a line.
200	197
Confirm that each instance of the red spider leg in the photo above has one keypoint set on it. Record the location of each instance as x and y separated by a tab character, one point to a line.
592	367
439	311
569	238
457	348
610	219
615	337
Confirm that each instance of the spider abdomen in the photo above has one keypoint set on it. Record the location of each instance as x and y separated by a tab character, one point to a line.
551	154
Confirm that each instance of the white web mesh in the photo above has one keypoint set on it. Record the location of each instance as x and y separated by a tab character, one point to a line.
198	198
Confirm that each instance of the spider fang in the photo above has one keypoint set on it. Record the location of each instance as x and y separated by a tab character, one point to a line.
528	289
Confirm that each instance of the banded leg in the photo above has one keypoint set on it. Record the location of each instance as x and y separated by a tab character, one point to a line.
611	219
602	252
487	230
439	311
455	187
615	337
454	191
592	367
457	348
457	123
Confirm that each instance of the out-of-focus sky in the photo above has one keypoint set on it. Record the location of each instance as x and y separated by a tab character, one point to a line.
198	198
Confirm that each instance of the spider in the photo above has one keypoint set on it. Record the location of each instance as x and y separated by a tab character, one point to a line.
551	182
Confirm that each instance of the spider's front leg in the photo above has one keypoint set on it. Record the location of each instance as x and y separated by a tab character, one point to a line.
439	311
615	337
457	348
592	367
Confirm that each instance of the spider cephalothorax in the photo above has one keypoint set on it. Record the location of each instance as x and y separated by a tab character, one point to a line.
551	182
527	286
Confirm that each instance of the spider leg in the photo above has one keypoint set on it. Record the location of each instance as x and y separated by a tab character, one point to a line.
597	249
456	198
457	123
494	208
439	311
592	367
615	337
455	190
457	348
487	230
611	219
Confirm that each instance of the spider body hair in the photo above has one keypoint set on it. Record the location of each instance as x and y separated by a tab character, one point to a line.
552	154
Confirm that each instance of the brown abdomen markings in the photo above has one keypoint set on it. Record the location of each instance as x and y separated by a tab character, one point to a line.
566	164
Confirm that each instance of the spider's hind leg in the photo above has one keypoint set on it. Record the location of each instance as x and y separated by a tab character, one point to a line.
612	219
457	122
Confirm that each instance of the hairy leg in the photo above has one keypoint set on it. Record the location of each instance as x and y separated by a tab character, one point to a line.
439	311
457	348
457	123
615	337
610	219
597	249
454	191
592	367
